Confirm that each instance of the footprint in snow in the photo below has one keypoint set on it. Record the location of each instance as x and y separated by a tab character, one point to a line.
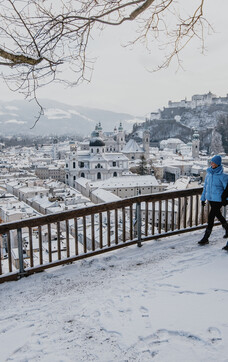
144	311
215	335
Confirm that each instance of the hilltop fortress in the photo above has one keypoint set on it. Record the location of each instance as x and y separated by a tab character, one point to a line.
197	103
199	100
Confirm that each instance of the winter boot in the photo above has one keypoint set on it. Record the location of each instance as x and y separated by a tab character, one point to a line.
225	226
205	240
225	247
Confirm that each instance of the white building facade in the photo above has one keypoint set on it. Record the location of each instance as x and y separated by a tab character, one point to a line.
95	164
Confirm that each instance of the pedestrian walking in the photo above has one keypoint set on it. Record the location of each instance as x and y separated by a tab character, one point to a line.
215	184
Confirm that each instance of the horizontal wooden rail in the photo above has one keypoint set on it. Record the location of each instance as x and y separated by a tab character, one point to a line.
89	210
33	245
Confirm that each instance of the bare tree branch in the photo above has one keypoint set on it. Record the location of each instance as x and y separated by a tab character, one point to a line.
16	59
37	37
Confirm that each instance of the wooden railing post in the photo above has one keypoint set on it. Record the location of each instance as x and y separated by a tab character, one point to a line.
139	223
20	253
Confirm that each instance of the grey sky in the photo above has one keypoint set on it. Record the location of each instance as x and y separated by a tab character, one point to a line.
122	83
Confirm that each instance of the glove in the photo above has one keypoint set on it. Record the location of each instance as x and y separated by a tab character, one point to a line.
203	203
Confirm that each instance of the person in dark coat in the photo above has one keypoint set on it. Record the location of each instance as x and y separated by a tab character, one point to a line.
215	184
225	202
225	196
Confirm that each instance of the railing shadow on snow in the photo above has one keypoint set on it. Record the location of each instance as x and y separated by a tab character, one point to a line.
33	245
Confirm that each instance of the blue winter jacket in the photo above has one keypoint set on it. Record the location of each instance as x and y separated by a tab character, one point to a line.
214	185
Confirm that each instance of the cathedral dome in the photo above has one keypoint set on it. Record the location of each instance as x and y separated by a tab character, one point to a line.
96	142
95	134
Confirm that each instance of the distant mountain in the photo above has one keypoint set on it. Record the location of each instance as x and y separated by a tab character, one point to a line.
17	117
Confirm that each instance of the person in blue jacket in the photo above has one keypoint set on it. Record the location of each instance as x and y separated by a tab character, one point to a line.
214	186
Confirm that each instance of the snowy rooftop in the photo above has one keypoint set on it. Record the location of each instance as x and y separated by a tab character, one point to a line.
166	302
172	140
102	156
126	181
180	184
12	206
105	195
82	181
132	146
26	189
178	161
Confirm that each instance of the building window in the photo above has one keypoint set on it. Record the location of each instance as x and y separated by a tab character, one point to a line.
91	150
99	176
66	165
98	166
114	174
81	165
82	174
97	150
74	178
74	164
114	163
67	176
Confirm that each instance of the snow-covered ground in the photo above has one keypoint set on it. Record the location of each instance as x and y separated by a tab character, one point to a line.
166	301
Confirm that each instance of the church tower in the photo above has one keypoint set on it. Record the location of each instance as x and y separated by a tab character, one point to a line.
55	149
71	165
120	138
100	130
195	144
146	143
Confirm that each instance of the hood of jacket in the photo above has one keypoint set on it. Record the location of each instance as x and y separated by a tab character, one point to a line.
218	170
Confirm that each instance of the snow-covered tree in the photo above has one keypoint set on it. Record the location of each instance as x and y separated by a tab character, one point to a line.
216	143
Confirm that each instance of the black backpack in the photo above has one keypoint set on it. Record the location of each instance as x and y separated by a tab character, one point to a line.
224	196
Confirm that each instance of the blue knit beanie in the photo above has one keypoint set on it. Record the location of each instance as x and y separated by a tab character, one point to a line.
217	160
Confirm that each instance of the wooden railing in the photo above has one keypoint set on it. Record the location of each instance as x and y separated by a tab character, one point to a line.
34	244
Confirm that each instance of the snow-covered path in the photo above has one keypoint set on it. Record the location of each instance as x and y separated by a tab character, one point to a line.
166	301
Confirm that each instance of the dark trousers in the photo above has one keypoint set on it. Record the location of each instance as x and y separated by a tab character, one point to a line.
215	212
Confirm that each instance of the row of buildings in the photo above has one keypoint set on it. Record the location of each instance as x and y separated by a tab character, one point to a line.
102	157
69	175
105	156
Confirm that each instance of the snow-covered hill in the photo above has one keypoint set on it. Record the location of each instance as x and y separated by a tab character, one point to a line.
201	117
210	121
164	302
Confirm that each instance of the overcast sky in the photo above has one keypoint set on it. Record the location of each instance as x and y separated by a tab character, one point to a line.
121	81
